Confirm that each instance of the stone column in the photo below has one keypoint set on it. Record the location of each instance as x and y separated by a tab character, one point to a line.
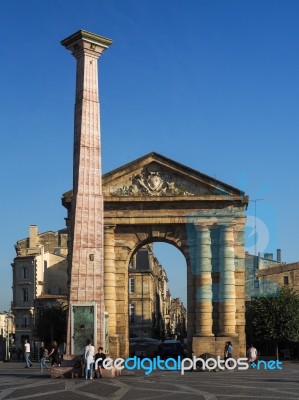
191	305
227	295
110	288
204	308
86	246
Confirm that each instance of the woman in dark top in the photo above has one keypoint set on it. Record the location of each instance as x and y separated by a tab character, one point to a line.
54	354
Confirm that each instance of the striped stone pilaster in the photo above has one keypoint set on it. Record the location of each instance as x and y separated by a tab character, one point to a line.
227	294
204	321
110	287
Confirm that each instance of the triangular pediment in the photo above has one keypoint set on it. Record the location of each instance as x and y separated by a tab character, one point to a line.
154	175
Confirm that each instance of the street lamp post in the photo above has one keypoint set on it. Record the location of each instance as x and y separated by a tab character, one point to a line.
255	240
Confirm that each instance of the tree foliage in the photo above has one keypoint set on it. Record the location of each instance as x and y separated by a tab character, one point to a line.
276	317
52	324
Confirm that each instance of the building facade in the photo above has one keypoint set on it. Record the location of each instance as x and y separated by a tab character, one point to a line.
7	335
279	275
178	319
253	265
39	269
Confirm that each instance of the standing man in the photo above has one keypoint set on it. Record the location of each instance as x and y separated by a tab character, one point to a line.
101	356
252	355
89	359
27	354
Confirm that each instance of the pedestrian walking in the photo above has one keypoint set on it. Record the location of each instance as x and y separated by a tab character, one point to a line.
89	359
226	351
27	354
43	354
101	357
54	354
230	351
252	355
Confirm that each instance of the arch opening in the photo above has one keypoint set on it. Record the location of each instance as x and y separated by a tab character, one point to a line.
156	309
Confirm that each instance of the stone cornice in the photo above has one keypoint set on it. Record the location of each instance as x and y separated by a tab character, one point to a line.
87	36
281	268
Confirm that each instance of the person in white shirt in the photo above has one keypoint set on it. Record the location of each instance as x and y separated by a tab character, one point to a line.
89	359
252	354
27	354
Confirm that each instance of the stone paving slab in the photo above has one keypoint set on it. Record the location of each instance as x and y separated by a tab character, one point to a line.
17	383
31	390
99	388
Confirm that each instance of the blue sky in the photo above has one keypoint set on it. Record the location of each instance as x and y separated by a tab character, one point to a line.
211	84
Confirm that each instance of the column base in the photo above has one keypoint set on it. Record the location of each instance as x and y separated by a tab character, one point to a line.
204	335
227	334
114	346
203	344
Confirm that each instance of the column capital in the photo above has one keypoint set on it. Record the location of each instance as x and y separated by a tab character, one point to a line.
109	228
83	42
203	226
225	226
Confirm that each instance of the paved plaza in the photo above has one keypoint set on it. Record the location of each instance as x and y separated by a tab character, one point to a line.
16	382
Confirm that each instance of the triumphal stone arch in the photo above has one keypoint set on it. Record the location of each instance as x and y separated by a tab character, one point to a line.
157	199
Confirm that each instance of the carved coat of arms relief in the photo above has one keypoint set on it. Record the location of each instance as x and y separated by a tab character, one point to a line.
153	181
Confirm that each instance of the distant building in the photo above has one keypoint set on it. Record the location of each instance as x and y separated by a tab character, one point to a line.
178	319
7	331
151	311
282	274
265	274
254	264
39	275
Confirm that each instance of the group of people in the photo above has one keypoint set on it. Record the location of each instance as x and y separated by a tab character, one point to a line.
44	354
54	354
90	360
252	353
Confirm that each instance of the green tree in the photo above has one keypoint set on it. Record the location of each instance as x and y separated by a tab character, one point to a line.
276	318
51	323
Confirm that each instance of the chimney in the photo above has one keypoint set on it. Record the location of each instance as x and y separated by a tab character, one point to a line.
278	257
33	233
268	256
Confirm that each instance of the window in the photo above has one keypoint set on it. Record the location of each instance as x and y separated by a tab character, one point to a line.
132	312
25	322
285	280
25	295
131	285
25	273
